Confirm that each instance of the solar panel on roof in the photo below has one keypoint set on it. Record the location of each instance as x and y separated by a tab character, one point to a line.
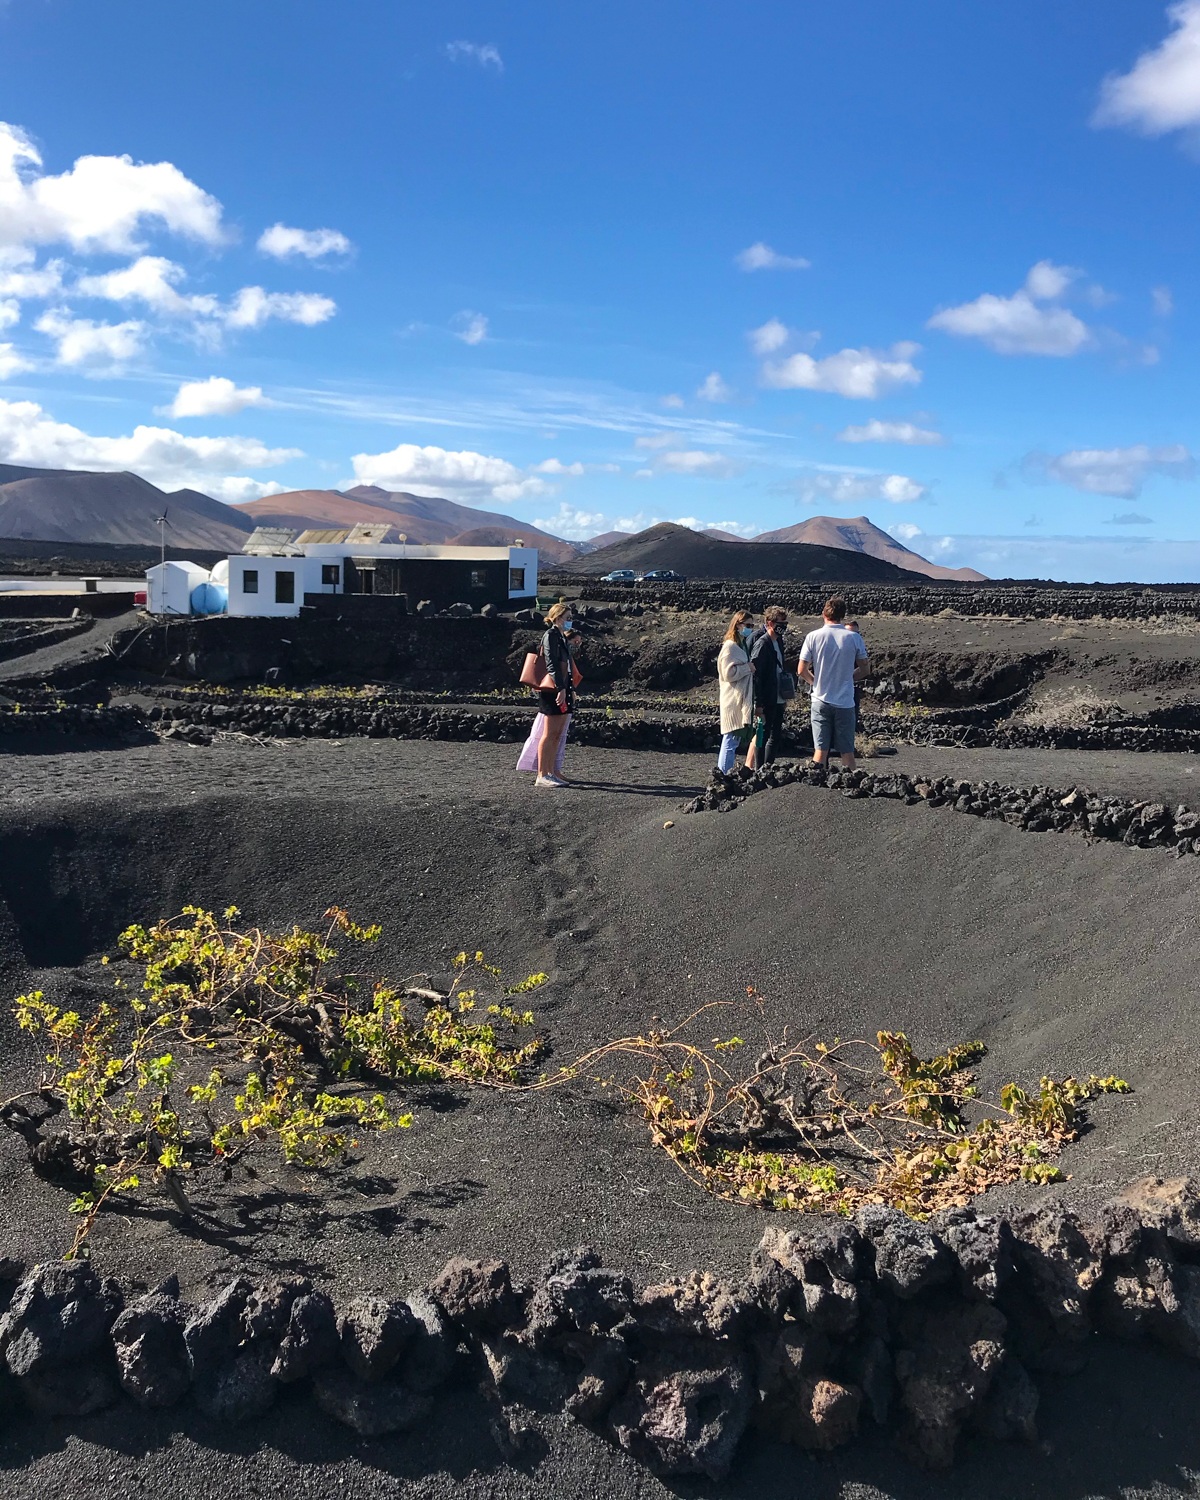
369	532
265	541
329	534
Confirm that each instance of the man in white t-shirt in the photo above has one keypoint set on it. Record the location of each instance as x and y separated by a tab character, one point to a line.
832	660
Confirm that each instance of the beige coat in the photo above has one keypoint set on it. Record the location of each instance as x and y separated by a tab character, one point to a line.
736	677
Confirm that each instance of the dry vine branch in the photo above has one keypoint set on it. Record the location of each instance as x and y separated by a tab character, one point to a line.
819	1126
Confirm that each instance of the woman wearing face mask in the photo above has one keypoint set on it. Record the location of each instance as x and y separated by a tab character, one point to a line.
557	702
736	678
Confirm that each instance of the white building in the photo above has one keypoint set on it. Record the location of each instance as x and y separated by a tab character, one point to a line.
169	587
278	571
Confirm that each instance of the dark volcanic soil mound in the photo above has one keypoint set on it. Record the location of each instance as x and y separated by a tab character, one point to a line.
847	916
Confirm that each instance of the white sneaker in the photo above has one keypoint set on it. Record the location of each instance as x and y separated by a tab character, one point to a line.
550	780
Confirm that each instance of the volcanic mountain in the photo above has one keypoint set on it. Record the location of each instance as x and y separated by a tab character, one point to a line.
698	556
420	518
862	535
73	505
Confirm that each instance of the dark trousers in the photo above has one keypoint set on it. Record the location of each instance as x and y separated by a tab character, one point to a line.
770	734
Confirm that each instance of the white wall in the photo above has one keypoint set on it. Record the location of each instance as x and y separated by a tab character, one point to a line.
306	574
527	558
169	587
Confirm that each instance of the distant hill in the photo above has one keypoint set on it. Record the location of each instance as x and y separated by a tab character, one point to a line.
605	539
421	518
862	535
74	505
721	536
698	556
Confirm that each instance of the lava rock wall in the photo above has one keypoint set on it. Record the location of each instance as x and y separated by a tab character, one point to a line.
929	1330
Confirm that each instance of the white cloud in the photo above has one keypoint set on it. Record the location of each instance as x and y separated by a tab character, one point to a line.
252	307
693	462
471	327
858	489
672	456
1161	92
556	466
28	435
573	524
437	471
101	203
713	388
771	336
1022	323
285	243
237	490
1119	472
861	374
739	528
905	531
1047	282
485	55
10	313
80	342
876	431
151	280
1162	301
20	279
214	397
760	257
673	402
11	362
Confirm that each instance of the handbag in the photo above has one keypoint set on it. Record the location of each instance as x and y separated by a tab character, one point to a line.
535	674
787	686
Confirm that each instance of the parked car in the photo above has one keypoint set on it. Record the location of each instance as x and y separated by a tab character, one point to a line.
662	575
621	575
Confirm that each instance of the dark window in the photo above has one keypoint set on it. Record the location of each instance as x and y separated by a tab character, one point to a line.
285	587
516	580
331	573
478	578
250	581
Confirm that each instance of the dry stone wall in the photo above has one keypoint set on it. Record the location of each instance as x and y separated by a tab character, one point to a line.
1019	601
930	1330
1037	809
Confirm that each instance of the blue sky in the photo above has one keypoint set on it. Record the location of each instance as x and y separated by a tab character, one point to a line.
598	266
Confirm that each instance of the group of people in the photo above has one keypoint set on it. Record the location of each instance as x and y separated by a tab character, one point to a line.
755	685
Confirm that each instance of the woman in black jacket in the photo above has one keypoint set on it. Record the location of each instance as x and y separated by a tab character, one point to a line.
557	702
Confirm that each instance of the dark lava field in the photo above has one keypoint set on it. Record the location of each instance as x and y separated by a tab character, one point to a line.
1064	953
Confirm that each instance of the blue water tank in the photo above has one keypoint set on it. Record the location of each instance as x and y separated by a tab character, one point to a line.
209	599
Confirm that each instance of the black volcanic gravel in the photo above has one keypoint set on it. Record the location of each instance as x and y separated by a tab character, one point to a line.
846	915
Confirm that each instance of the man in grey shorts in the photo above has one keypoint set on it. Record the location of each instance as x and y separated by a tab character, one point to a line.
832	660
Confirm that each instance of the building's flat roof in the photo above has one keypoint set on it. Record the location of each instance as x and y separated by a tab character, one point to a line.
414	551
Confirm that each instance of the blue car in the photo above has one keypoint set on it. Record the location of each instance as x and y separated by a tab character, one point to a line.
662	575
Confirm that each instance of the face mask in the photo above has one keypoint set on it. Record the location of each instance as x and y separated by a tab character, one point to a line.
565	625
747	632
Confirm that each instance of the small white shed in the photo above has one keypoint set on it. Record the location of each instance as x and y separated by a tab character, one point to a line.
169	587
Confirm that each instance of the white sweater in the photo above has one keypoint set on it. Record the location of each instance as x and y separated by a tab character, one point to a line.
736	677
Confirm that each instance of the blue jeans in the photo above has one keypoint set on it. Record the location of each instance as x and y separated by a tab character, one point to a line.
727	759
